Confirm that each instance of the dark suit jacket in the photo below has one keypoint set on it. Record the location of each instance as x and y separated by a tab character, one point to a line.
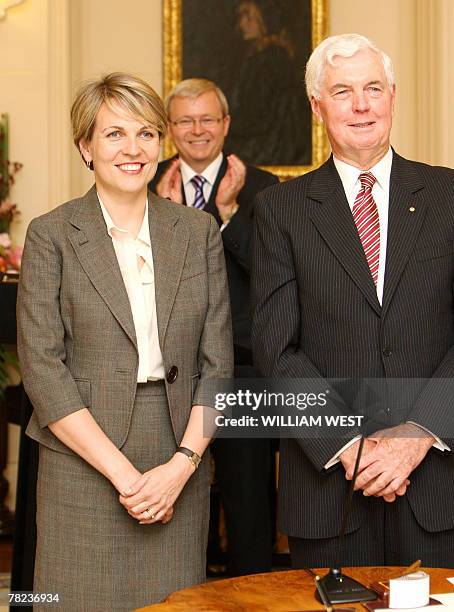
316	315
237	248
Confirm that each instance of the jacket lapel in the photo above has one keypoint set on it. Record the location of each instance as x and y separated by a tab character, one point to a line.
211	204
405	219
95	252
334	221
169	243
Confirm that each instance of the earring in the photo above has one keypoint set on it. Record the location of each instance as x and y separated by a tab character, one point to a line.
90	165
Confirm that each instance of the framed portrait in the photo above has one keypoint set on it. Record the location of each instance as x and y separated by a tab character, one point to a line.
256	52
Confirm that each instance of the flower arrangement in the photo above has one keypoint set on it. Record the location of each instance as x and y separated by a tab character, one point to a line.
10	254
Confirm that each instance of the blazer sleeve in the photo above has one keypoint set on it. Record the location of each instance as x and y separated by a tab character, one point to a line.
215	354
237	235
434	407
40	330
276	327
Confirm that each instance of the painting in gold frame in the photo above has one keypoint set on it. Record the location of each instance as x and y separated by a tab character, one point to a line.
211	40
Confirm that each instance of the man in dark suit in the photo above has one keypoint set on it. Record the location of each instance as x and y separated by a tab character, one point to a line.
203	177
327	307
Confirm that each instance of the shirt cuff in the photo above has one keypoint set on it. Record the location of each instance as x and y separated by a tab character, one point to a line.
438	444
335	459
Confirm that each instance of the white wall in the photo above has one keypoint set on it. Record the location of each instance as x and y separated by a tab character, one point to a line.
117	35
391	25
47	48
417	34
24	96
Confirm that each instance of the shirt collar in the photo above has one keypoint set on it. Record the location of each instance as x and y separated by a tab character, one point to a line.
144	232
210	173
349	174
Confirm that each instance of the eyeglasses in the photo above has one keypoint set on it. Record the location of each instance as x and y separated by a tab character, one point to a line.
187	123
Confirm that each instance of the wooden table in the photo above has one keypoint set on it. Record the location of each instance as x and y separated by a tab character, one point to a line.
278	591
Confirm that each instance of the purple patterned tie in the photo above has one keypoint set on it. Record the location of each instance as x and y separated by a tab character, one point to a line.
199	199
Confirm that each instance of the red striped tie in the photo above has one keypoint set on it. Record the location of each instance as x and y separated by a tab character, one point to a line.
365	214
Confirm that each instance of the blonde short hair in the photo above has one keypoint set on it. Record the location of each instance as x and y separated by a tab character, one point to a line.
342	45
193	88
128	91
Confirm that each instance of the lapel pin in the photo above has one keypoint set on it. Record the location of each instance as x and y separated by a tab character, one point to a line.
412	209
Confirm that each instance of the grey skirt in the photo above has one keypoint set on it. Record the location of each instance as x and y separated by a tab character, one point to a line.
90	551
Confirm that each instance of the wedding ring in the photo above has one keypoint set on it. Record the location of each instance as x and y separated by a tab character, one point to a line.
150	513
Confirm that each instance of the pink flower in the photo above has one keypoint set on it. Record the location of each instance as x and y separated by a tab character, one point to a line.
15	257
6	207
5	240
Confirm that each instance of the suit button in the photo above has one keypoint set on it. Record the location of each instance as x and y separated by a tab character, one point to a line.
387	352
172	375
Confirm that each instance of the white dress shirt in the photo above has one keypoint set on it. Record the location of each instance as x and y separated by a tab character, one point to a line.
210	173
349	176
135	259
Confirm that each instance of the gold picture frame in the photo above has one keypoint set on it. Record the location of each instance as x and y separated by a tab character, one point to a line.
173	73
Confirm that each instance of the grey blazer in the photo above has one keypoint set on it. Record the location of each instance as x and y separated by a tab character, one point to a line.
76	337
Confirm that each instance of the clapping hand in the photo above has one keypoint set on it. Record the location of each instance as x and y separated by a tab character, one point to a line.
169	185
229	188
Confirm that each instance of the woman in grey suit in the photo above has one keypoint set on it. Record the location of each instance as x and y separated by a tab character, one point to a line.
123	319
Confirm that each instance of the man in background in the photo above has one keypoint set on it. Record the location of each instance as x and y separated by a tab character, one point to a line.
203	177
353	279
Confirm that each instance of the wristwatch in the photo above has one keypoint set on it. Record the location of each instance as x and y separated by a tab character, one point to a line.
193	457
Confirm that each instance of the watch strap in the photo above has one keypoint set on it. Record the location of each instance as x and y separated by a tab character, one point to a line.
193	457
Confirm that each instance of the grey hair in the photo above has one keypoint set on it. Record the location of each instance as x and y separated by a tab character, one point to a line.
193	88
343	45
